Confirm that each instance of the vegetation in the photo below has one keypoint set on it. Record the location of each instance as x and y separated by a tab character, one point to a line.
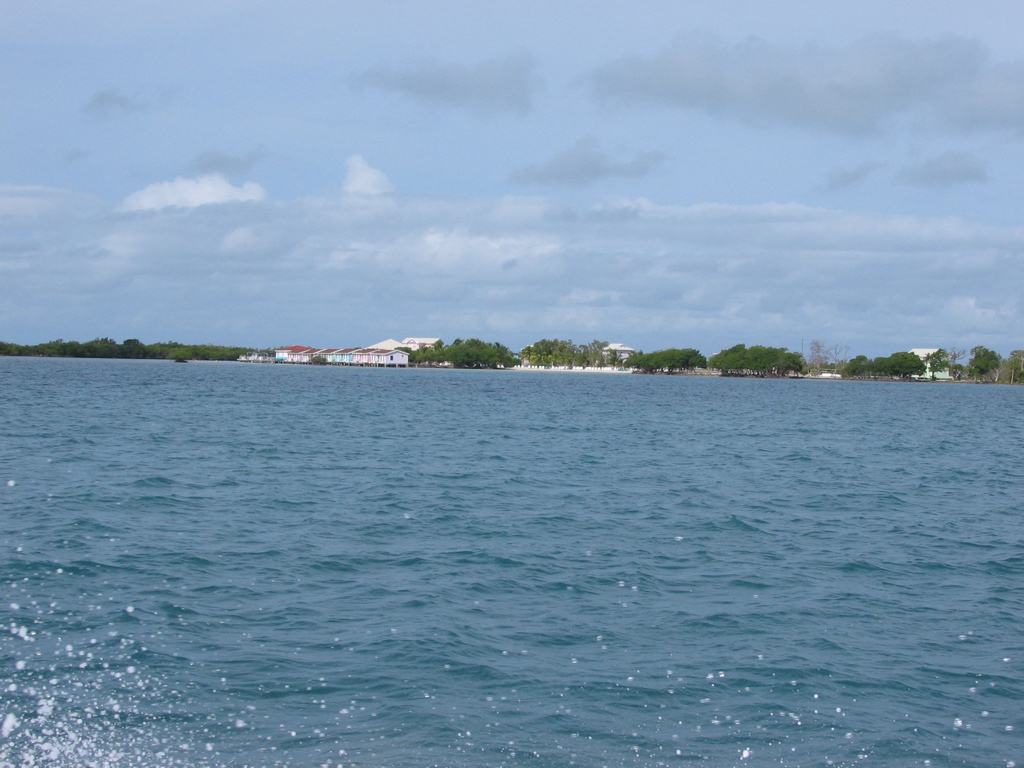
899	365
469	353
558	352
128	349
983	364
667	361
937	362
822	357
757	361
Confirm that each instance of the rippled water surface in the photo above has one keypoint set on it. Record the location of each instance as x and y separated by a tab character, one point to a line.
229	565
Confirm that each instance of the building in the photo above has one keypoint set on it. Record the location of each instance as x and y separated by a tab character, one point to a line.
389	358
364	356
419	342
942	374
389	344
618	351
293	354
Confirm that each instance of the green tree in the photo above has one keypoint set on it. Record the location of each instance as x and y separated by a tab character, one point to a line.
937	362
667	361
904	365
474	353
857	367
984	363
1014	368
550	352
757	361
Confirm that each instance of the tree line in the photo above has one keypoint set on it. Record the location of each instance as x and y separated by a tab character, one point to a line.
983	364
131	349
468	353
563	352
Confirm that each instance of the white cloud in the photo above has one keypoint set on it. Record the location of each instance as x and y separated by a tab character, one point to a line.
191	193
363	179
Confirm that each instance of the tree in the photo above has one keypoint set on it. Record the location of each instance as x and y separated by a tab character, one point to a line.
134	349
594	353
550	352
468	353
757	361
838	355
859	366
955	354
1014	367
818	355
667	361
937	362
904	365
984	362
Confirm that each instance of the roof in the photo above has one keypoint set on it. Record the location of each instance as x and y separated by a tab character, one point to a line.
428	340
620	347
296	348
388	344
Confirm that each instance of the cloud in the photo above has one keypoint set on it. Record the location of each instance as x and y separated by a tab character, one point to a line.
363	179
584	163
949	83
334	271
492	86
944	170
213	161
191	193
844	178
111	101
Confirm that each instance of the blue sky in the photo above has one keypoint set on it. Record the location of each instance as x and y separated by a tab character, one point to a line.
655	173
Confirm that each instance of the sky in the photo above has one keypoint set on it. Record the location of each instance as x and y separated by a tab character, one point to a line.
661	173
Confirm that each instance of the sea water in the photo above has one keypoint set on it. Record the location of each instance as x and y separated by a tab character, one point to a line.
254	565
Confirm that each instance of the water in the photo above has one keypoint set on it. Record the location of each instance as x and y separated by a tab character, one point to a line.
228	565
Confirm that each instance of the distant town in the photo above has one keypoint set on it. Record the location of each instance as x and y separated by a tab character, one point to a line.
821	361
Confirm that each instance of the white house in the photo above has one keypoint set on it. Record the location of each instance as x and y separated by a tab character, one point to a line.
389	358
618	351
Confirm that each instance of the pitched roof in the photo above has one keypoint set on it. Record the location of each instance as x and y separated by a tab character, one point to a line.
388	344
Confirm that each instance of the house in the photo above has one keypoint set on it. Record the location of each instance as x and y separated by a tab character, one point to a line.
341	356
372	356
942	374
419	342
388	344
296	354
389	358
618	351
